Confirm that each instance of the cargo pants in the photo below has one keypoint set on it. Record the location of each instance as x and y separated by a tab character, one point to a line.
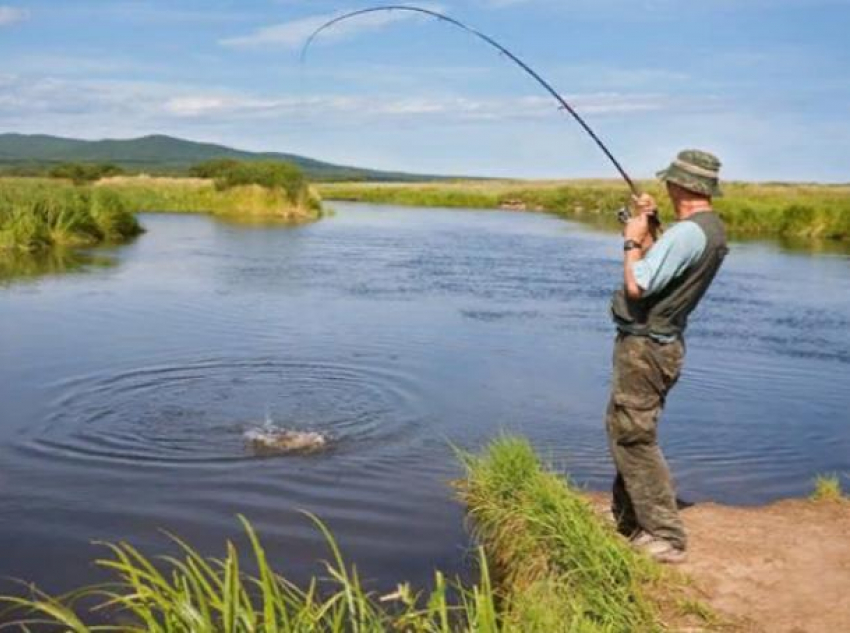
644	498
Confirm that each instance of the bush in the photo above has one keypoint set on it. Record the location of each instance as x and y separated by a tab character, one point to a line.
214	168
229	173
81	173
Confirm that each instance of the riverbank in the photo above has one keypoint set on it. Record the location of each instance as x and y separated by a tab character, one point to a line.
549	561
779	568
200	195
40	213
803	211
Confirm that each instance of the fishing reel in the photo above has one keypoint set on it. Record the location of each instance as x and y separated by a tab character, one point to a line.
624	214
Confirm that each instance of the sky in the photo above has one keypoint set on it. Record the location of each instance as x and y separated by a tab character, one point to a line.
764	84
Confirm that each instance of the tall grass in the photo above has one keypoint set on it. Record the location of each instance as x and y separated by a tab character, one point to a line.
547	564
561	568
778	210
193	594
37	214
197	195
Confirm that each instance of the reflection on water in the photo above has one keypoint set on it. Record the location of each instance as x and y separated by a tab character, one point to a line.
20	265
125	398
804	245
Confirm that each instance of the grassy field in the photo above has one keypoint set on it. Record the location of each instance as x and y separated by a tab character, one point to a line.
749	209
547	564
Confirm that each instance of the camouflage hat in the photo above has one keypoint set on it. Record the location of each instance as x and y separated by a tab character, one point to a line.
696	171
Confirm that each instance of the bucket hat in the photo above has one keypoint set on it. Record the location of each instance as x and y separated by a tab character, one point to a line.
696	171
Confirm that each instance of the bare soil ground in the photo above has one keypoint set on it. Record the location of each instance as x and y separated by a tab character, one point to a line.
781	568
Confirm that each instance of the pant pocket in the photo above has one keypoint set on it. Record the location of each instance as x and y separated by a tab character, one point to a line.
635	418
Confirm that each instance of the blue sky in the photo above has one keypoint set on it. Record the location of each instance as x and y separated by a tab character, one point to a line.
763	83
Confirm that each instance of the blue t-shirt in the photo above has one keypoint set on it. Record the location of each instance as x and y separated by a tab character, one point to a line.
678	249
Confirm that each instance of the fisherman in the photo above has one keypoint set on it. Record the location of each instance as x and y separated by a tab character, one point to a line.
664	281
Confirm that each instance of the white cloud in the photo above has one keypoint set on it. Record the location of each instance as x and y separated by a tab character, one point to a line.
25	97
342	108
294	34
436	133
10	15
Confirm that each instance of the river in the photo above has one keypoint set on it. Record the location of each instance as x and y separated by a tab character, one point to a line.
127	389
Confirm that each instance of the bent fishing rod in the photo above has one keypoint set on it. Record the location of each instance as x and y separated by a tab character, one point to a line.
622	214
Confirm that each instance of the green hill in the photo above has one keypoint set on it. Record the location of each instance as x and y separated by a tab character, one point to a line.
158	154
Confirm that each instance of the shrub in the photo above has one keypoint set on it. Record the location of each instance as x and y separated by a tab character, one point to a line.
82	173
268	174
214	168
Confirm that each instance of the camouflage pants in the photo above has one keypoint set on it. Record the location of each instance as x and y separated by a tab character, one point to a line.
644	372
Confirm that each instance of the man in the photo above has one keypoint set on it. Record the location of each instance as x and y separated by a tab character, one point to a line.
664	281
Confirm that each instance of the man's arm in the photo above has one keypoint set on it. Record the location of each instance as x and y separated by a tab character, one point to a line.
638	230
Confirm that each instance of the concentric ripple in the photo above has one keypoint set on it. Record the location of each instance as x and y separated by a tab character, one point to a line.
199	412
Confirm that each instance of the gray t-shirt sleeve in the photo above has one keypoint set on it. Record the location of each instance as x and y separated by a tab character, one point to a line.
678	249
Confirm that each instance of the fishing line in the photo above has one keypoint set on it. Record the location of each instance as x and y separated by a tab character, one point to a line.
504	51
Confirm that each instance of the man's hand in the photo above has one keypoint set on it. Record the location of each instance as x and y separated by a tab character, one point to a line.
645	218
644	203
640	229
637	228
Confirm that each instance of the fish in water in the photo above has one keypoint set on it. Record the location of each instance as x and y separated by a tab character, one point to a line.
275	441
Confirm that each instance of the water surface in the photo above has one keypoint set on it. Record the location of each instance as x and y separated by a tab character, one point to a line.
126	391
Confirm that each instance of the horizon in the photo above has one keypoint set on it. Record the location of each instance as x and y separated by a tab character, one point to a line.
603	178
399	93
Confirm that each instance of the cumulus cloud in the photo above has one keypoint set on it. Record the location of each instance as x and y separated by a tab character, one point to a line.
10	15
294	33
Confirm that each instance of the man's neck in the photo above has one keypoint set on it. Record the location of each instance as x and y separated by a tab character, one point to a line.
687	208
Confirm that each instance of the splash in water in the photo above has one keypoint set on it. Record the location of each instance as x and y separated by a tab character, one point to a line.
270	439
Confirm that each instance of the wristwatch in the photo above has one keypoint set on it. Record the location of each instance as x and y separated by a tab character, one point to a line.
630	245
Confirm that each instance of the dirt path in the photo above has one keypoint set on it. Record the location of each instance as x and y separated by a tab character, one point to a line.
781	568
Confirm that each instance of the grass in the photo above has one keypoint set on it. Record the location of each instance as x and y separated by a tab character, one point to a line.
546	564
198	195
827	488
560	567
192	594
37	214
749	209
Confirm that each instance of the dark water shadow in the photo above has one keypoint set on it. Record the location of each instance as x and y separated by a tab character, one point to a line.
18	266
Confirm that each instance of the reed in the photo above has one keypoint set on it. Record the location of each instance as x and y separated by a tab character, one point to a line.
193	594
198	195
749	209
547	563
560	567
38	214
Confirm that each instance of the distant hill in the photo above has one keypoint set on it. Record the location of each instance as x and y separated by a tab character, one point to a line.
159	154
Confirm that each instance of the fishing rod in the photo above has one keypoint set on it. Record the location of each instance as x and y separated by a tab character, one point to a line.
623	213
